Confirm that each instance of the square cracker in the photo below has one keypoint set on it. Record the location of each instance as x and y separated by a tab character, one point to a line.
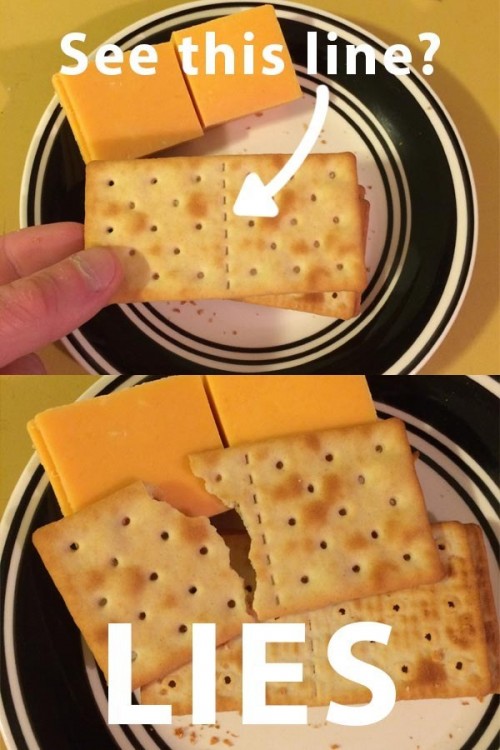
186	243
130	558
332	515
444	641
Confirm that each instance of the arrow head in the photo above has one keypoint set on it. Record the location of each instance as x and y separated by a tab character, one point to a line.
254	199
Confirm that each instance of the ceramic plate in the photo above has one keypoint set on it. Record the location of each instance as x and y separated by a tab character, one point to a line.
54	697
421	237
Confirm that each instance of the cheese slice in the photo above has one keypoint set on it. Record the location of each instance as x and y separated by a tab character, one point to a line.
256	407
223	96
95	447
128	115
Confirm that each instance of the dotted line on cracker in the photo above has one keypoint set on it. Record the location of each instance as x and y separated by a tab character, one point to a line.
264	540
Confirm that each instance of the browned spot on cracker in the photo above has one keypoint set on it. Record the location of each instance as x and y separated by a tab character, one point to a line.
197	205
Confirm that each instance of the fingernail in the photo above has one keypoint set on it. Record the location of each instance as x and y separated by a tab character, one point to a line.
98	266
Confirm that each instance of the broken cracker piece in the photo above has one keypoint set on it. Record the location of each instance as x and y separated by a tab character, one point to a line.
130	558
332	515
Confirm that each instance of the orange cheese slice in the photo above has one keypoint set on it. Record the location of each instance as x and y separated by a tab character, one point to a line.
129	115
257	407
92	448
222	96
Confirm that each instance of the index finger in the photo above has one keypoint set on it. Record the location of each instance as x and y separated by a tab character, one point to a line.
29	250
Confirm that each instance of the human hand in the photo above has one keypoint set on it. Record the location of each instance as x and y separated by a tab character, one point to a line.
48	287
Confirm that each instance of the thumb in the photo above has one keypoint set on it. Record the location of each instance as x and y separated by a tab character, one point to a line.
41	308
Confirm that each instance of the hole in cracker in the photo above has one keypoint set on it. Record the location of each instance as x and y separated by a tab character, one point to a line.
153	180
374	534
441	546
198	226
183	628
361	479
231	604
334	295
406	556
153	228
175	202
249	588
131	204
155	276
313	197
164	535
379	448
131	252
342	611
428	636
458	665
396	608
332	175
102	602
227	680
176	251
292	521
153	577
329	457
293	222
142	615
218	477
197	178
111	183
304	579
113	562
200	275
342	512
335	219
253	272
193	589
74	546
125	521
356	568
109	230
340	266
316	243
404	669
203	550
133	655
296	269
451	605
172	684
393	501
310	488
273	245
251	223
323	544
279	464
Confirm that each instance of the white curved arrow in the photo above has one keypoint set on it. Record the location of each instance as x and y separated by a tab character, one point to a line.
255	198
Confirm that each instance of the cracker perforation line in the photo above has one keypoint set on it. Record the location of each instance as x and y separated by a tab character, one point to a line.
313	661
263	536
226	246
